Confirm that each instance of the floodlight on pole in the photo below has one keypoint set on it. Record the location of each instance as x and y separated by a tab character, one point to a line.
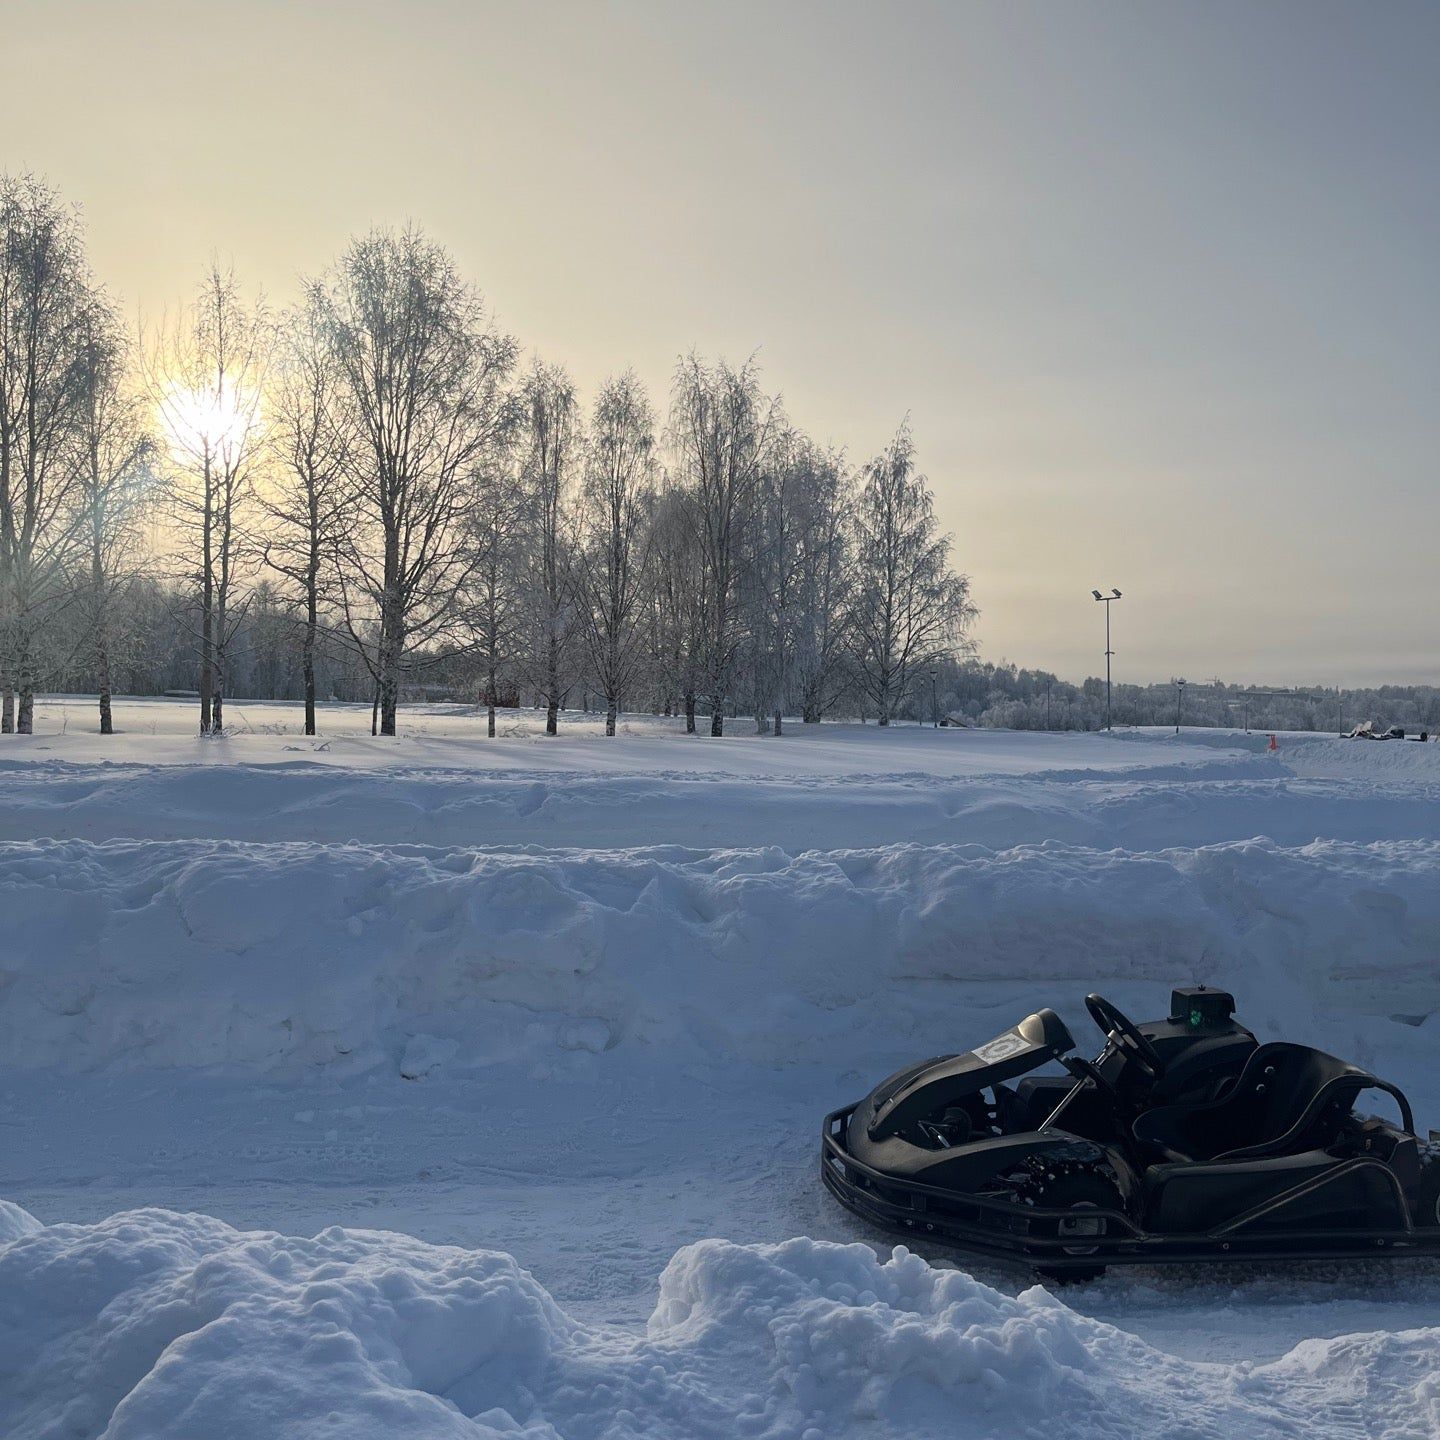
1106	601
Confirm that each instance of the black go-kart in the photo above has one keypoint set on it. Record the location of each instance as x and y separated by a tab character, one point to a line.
1183	1140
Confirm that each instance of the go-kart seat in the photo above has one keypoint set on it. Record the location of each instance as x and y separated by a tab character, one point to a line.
1288	1098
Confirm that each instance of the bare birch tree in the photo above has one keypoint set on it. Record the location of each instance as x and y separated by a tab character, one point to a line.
117	465
674	619
782	546
303	504
497	585
550	451
822	585
423	376
908	608
46	301
618	480
207	379
720	423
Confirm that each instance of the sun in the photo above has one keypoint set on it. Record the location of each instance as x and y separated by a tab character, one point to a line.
215	421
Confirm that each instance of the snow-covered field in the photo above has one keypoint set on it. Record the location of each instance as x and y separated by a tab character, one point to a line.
583	1003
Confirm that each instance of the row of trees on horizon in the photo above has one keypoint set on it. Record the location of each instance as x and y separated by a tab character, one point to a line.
374	491
1015	698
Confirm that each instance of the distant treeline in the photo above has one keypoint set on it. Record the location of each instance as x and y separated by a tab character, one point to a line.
1019	699
267	653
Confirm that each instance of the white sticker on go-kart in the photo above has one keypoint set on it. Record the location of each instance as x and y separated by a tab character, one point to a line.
1001	1048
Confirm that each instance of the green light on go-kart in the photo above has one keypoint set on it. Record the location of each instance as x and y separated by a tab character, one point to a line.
1196	1019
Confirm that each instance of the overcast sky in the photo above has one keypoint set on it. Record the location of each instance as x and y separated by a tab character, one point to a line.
1156	283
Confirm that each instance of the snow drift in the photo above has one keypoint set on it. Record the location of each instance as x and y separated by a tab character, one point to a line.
1141	806
153	1325
277	958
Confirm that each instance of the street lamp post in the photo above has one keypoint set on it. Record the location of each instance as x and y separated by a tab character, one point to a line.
1106	601
1179	697
934	703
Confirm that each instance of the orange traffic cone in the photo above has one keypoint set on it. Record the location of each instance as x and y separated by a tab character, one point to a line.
1273	745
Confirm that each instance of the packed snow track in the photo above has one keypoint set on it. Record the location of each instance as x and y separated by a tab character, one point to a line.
582	1003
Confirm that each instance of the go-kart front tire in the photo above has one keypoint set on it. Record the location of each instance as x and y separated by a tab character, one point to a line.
1078	1191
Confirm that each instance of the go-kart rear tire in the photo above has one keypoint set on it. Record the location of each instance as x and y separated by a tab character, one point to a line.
1077	1190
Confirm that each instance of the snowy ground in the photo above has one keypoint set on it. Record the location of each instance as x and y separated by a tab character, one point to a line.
584	1002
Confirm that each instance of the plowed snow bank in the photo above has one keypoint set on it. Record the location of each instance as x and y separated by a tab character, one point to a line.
153	1325
285	956
1141	808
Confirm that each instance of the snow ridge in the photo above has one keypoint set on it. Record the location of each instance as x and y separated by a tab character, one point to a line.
280	958
152	1325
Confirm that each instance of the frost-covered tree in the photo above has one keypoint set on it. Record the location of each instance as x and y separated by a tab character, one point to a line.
304	501
116	468
619	468
721	424
674	619
207	378
423	377
908	609
768	579
47	303
795	580
818	648
551	443
497	590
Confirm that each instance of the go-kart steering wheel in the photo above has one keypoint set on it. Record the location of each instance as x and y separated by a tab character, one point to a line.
1121	1030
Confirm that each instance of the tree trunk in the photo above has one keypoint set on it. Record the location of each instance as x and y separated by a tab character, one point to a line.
25	675
552	688
375	712
217	693
308	657
100	619
391	648
389	701
689	712
7	707
779	722
611	710
102	665
207	606
717	720
207	685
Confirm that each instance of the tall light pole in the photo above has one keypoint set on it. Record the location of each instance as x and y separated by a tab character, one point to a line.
1179	697
934	703
1106	600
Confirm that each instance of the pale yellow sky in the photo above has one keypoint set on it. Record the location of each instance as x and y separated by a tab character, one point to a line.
1156	283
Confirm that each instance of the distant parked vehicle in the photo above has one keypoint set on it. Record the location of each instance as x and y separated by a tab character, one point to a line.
1368	730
